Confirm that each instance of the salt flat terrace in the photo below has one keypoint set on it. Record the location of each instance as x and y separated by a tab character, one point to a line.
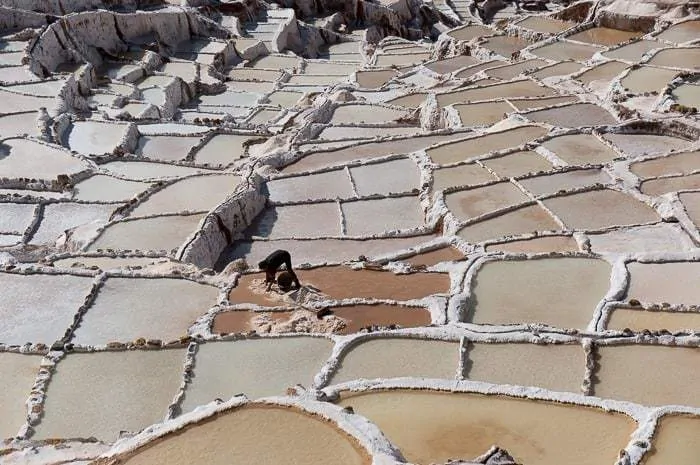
494	214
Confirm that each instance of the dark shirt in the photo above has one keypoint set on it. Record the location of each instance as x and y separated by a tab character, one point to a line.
277	259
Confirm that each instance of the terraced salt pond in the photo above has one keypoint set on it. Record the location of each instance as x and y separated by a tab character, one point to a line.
14	390
459	151
258	368
639	320
193	194
621	376
506	292
674	440
121	302
555	367
444	426
248	424
532	236
388	358
158	233
104	393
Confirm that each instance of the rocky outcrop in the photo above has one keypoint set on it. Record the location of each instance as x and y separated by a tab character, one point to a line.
87	37
63	7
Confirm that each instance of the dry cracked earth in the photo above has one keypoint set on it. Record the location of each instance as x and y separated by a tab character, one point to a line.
493	208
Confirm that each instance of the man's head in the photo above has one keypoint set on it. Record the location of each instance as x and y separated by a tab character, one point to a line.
262	265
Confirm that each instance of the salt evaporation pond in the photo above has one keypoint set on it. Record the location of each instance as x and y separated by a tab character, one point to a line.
262	435
430	427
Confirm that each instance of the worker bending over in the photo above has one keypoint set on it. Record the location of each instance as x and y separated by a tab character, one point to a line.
273	262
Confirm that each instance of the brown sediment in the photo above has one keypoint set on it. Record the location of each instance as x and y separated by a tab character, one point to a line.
362	316
683	32
471	31
539	291
559	69
338	282
433	427
254	434
537	245
250	289
511	71
639	320
472	70
344	283
545	24
675	441
237	321
649	374
444	254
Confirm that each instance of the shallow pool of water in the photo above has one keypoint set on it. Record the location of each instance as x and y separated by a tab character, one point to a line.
469	148
129	308
558	367
482	114
600	209
539	291
517	164
647	79
160	233
685	58
255	367
523	220
18	373
100	394
564	50
475	202
252	435
433	427
195	194
624	373
604	36
675	441
399	357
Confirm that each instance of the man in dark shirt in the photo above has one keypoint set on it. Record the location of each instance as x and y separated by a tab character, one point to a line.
272	263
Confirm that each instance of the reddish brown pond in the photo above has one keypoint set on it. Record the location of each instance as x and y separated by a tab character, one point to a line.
445	254
355	318
361	316
344	283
